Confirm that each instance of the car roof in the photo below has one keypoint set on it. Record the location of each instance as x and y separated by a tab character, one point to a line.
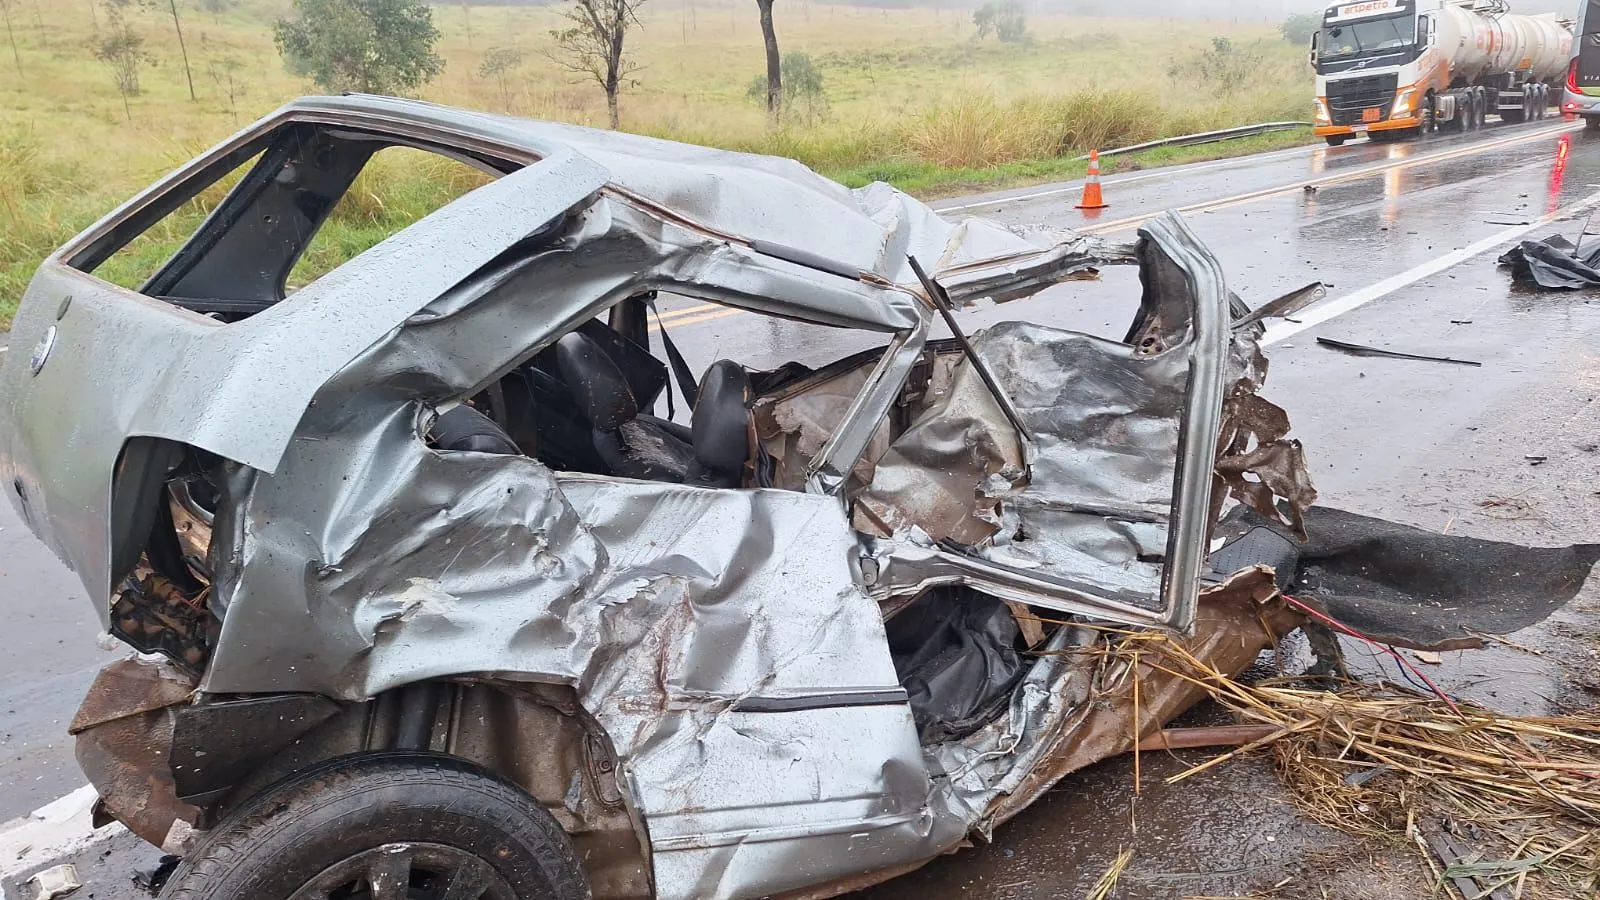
749	197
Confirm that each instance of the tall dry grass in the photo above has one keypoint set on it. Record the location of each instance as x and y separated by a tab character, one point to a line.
976	130
913	95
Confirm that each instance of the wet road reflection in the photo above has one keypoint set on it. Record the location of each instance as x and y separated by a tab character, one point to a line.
1351	232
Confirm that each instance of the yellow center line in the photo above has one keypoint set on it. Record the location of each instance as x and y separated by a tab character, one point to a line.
710	311
705	312
668	315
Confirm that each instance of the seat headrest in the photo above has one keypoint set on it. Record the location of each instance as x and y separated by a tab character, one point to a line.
721	421
598	388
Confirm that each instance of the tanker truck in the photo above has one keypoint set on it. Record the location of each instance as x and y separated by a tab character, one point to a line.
1391	69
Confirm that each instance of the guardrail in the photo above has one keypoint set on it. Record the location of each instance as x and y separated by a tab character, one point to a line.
1205	137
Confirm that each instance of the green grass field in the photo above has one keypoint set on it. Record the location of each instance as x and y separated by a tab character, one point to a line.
913	97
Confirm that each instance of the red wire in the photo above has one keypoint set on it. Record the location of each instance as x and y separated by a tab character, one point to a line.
1340	626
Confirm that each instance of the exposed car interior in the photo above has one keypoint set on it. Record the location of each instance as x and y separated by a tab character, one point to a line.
591	402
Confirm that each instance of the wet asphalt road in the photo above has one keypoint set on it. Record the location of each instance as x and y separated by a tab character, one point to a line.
1418	442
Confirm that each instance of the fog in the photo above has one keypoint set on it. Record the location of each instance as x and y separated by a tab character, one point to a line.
1241	10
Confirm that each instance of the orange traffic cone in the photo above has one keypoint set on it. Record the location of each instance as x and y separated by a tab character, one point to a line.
1091	185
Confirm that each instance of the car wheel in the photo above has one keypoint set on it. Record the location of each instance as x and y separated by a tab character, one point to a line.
386	826
1335	140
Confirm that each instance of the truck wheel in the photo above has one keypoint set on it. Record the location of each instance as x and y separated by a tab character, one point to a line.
1335	140
382	826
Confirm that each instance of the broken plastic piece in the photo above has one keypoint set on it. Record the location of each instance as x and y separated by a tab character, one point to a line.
1364	350
1284	306
1553	264
57	881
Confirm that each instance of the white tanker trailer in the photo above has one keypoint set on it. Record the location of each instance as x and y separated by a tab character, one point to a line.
1395	68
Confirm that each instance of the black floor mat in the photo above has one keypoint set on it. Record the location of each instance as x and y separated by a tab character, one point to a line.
956	653
1420	589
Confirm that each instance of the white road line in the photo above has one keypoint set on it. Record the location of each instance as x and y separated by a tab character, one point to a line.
50	832
1338	306
1125	179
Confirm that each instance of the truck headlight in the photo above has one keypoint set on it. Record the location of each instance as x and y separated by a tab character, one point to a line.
1405	103
1322	112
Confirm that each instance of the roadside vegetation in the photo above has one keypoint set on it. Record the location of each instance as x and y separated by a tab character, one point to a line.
95	103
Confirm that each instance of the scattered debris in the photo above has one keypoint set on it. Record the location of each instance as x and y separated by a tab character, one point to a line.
56	881
1364	350
1554	263
1534	459
1108	882
151	879
1462	863
1429	657
1207	736
1526	786
1357	779
1508	508
1284	306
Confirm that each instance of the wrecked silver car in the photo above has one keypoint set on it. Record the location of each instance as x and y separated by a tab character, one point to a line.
431	603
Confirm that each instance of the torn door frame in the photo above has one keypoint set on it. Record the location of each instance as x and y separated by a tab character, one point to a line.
906	564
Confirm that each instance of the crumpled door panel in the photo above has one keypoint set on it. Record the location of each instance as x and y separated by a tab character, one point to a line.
746	678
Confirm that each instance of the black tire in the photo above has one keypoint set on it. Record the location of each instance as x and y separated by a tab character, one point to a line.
434	818
1591	124
1335	140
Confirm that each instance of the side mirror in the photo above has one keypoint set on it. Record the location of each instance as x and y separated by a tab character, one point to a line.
1424	31
1316	38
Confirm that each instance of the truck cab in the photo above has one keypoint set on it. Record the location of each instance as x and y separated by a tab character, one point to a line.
1396	68
1366	56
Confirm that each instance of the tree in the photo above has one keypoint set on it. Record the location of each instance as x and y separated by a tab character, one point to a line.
5	10
224	71
593	45
1006	18
182	49
497	64
1298	28
774	64
373	46
803	94
1225	67
122	48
